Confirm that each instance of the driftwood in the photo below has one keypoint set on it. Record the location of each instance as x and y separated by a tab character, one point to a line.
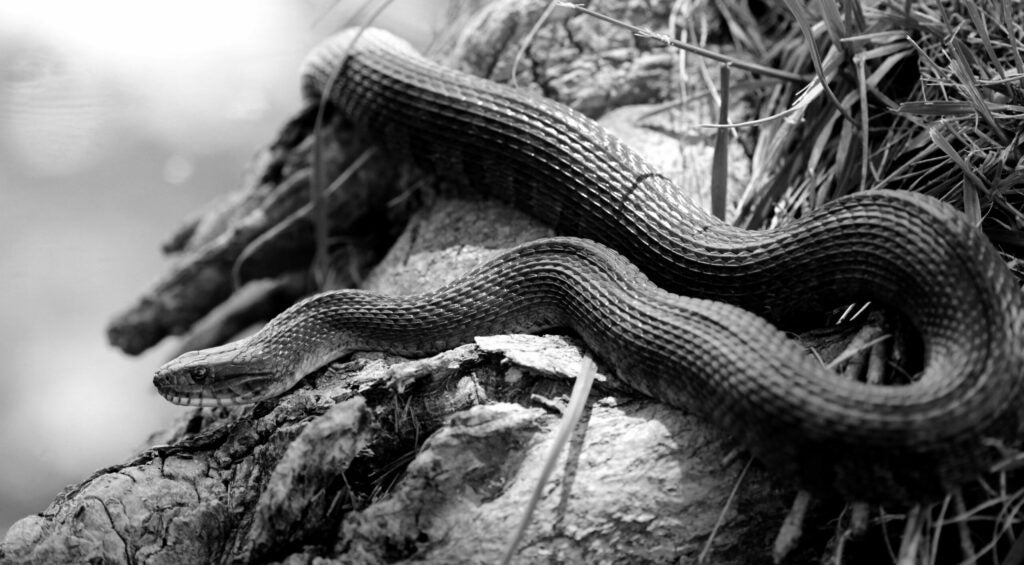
382	459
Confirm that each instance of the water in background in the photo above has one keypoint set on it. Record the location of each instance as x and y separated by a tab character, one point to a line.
117	118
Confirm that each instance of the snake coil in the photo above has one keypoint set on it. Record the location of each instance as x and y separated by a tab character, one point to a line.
868	442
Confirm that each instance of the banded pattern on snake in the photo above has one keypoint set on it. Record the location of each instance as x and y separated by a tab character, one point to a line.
709	353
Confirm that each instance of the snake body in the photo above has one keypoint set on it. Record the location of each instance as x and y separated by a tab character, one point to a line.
709	352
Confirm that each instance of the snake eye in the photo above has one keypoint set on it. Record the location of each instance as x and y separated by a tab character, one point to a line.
198	374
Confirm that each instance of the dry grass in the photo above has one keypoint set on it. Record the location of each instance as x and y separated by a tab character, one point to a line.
926	97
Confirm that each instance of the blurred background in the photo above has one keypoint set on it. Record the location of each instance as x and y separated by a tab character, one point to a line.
117	118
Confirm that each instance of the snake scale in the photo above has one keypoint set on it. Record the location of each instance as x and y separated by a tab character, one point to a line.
703	342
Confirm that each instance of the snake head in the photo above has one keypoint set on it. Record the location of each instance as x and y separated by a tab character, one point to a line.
224	375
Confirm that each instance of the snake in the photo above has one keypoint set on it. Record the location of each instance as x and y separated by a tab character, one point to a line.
684	307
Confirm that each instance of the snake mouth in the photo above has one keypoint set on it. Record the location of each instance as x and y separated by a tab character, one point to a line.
237	389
